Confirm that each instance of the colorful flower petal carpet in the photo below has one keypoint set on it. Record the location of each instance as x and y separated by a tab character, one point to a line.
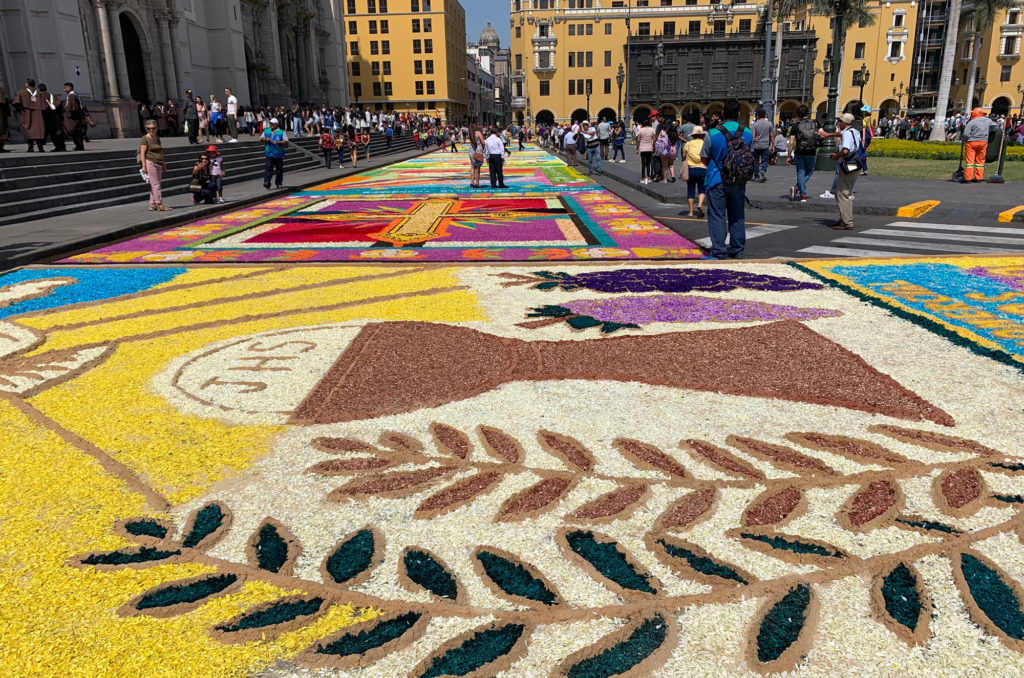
423	209
573	470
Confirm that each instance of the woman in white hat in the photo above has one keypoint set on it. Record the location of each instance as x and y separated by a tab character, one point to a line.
696	168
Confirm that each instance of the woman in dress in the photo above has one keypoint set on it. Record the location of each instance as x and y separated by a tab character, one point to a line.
352	141
204	119
476	155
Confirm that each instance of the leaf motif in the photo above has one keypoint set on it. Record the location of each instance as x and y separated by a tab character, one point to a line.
607	560
500	444
872	505
649	457
144	530
612	505
901	603
457	494
862	451
722	459
800	550
625	650
365	643
958	491
569	450
178	597
391	484
781	457
514	578
475	649
270	619
27	375
993	598
206	526
781	627
400	442
691	561
425	570
775	507
111	560
353	559
349	466
535	499
687	511
450	441
919	524
935	441
272	547
341	445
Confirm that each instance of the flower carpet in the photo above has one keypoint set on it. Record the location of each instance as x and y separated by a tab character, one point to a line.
629	469
422	209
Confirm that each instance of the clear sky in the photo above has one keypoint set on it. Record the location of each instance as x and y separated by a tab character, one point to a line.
479	12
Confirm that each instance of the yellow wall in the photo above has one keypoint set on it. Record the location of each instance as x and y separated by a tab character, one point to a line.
448	33
991	61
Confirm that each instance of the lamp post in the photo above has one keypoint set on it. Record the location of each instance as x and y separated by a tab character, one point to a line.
860	78
1020	90
766	82
899	98
659	64
590	90
840	9
620	77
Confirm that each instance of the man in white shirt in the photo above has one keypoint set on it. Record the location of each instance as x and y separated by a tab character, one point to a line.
495	151
232	115
848	151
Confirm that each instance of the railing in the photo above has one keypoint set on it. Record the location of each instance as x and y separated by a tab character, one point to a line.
518	102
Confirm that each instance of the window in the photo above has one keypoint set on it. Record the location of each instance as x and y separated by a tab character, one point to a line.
428	66
371	6
858	50
1010	45
383	6
385	47
607	29
519	62
897	20
644	28
544	30
384	26
607	85
590	29
572	60
427	26
376	89
666	3
353	48
572	29
579	59
373	27
374	68
430	86
353	28
355	69
519	32
572	88
1004	73
691	2
895	49
414	5
590	59
351	6
744	25
417	46
357	89
426	5
1013	18
417	67
607	59
694	26
419	88
387	68
373	47
719	27
428	46
545	88
415	25
668	28
543	60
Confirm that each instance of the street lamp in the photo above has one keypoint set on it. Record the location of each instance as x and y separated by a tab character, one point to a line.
620	78
840	10
899	97
860	78
1020	90
659	63
590	90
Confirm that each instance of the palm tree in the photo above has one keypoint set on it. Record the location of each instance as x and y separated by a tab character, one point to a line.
946	74
982	16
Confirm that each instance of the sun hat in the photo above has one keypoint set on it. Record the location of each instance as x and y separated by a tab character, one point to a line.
275	121
212	149
847	118
697	131
865	109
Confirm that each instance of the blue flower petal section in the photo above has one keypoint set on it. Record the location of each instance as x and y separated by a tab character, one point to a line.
93	284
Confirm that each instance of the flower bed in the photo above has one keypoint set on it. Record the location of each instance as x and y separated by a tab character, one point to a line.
928	150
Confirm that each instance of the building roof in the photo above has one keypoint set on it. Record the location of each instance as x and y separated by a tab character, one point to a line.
489	37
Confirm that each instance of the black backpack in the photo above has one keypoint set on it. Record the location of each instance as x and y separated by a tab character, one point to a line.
581	142
737	167
806	136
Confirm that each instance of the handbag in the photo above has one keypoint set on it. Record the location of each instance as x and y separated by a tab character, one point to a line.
478	157
684	172
195	187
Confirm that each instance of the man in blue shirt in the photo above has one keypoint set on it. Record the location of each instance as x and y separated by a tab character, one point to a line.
725	201
275	143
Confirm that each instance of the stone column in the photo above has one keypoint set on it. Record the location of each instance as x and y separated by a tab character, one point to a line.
164	30
108	51
118	49
179	89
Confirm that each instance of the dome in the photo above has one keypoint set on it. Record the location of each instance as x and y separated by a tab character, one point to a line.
489	37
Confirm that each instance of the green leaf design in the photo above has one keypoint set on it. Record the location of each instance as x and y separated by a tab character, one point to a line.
482	648
929	525
1008	467
352	558
379	634
514	579
794	545
702	564
783	623
582	322
208	520
644	641
993	596
549	312
424	570
177	593
271	549
1009	498
145	527
273	614
902	600
608	560
129	556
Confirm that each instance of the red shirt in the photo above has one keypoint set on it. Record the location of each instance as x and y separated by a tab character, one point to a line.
326	141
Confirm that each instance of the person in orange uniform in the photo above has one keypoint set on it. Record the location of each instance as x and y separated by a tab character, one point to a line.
975	136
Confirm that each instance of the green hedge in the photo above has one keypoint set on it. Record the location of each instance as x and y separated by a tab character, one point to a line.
927	150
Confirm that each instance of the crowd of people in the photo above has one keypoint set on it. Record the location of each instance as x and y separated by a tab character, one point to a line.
44	115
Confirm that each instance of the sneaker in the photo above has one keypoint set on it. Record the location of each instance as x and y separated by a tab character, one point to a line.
672	180
803	199
828	195
233	141
220	201
266	185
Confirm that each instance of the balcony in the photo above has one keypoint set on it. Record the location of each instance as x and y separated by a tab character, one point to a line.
549	41
518	102
544	69
518	74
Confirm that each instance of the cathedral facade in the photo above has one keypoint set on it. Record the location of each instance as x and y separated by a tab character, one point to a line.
121	53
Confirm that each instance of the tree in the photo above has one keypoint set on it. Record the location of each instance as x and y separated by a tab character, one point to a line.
982	16
946	75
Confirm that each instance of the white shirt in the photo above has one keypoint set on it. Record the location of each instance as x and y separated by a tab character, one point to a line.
232	105
494	146
570	139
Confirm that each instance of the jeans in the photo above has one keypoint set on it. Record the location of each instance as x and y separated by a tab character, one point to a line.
273	167
233	126
297	126
496	163
618	151
594	158
804	169
390	140
761	156
695	182
645	164
725	205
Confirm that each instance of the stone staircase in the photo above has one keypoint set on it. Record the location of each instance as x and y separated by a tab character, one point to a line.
45	185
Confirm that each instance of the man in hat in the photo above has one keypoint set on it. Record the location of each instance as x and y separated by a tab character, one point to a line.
30	103
5	119
975	136
275	143
74	116
191	115
217	173
846	173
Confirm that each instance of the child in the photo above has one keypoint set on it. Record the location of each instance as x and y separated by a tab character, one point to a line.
217	173
327	146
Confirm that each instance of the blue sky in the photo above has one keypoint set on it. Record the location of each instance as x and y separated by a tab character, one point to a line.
479	12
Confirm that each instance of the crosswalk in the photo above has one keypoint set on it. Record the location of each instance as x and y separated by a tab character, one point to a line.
911	238
753	231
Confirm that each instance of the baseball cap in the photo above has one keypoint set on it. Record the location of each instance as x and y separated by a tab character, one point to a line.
847	118
275	121
212	149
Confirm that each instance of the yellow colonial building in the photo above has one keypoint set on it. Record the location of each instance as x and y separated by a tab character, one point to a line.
684	55
407	56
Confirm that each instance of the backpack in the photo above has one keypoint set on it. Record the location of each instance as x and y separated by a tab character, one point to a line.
581	142
806	136
673	135
737	167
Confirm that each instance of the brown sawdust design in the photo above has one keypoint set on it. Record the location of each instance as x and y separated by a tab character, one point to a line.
775	507
648	456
